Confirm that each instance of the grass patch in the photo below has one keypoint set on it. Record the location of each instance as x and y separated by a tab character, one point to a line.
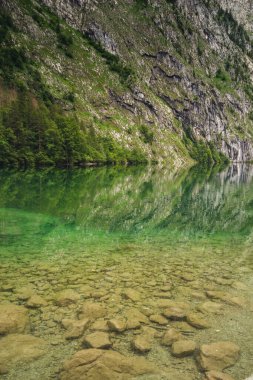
222	80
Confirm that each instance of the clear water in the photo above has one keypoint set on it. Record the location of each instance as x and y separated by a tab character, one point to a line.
137	220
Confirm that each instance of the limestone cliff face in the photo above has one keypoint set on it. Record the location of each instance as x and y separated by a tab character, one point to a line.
192	64
242	10
195	103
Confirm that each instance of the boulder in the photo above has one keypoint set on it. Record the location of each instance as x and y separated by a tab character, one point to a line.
13	319
94	364
132	294
118	325
66	297
175	313
75	328
165	303
170	336
182	348
239	285
216	375
217	295
100	325
197	321
146	311
142	343
188	277
133	324
133	314
98	339
35	302
24	293
92	310
210	307
183	327
16	348
227	298
159	319
198	295
218	356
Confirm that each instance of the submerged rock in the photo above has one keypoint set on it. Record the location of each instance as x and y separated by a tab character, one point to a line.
132	295
171	336
175	313
216	375
197	321
183	327
94	364
36	302
182	348
227	298
18	347
142	343
188	277
239	285
66	297
98	339
133	314
159	319
218	356
210	307
74	328
13	319
100	325
133	324
24	293
118	325
92	310
146	311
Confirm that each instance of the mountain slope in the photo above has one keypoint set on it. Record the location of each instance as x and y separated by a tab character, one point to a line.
112	81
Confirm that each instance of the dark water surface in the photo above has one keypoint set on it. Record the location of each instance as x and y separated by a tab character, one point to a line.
111	228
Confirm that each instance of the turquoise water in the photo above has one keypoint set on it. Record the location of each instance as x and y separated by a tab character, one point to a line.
107	229
69	212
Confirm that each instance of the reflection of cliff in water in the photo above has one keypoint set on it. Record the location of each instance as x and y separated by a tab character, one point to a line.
220	202
237	173
131	200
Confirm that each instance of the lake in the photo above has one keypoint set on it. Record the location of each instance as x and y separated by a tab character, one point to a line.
129	244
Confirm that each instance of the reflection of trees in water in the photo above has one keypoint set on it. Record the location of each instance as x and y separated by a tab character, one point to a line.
136	199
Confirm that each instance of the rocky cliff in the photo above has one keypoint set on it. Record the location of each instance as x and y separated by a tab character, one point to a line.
170	80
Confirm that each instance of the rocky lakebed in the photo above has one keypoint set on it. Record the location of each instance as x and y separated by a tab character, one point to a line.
117	274
122	317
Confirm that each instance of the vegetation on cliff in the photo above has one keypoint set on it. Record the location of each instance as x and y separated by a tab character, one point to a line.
68	97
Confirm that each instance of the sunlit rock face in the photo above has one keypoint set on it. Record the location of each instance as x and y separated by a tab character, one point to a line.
203	110
242	10
177	51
